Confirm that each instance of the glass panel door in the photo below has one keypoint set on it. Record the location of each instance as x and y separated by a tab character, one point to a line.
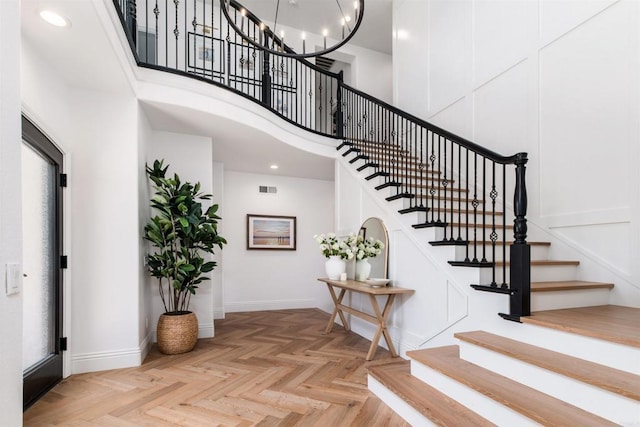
41	291
38	207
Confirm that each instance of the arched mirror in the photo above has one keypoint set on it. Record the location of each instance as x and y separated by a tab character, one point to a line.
374	227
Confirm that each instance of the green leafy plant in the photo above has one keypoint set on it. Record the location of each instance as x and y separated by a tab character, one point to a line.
180	233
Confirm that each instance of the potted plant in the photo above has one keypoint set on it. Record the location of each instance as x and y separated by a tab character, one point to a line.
181	232
336	251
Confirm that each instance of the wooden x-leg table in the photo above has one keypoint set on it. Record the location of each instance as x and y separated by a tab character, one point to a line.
380	317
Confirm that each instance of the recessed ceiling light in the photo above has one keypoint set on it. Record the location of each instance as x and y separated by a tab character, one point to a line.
54	18
274	166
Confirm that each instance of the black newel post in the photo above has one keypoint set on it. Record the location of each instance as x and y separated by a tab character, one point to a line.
339	119
130	20
266	76
520	280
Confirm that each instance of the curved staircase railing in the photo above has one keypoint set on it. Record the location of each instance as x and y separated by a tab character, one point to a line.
457	187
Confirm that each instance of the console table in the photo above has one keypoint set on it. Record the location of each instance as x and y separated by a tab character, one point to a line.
380	318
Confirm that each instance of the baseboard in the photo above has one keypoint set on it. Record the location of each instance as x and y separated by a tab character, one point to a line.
103	361
205	330
235	307
218	313
145	345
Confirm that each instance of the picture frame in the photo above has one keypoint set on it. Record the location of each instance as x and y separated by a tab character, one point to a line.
270	232
205	54
282	106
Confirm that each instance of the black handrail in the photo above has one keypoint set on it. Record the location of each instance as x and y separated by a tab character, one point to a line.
452	183
506	160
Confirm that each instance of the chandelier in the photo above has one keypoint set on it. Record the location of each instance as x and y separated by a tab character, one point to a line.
262	23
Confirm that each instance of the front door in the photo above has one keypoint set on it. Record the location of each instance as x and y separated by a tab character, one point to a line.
42	249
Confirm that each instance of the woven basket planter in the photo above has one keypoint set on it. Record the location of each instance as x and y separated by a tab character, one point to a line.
177	332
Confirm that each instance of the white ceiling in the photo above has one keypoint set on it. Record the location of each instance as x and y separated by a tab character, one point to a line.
313	15
240	148
84	57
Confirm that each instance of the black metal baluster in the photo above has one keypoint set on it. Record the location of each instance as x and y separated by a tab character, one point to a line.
475	204
484	209
493	236
443	183
460	193
451	182
466	207
504	226
432	189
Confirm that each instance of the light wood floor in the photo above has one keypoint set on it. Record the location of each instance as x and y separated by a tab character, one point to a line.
273	368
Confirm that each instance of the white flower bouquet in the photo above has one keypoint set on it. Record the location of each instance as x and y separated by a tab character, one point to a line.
367	248
330	245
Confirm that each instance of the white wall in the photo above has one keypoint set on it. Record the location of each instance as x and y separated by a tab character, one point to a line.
556	79
10	217
371	71
191	158
145	299
97	132
266	279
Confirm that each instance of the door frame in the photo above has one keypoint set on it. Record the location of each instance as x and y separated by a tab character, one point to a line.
39	379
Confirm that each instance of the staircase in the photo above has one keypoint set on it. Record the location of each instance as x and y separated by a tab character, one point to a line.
503	381
567	359
574	361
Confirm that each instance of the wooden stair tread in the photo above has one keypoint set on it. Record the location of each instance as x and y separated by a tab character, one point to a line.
436	406
613	380
440	189
569	285
489	226
462	211
544	262
508	243
529	402
606	322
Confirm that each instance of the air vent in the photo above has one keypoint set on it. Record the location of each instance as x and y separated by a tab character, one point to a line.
324	62
267	190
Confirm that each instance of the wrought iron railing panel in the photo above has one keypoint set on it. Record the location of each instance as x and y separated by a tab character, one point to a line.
458	186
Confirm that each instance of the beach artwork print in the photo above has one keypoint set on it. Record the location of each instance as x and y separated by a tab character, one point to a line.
271	232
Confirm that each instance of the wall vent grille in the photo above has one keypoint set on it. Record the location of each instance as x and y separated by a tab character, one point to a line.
267	190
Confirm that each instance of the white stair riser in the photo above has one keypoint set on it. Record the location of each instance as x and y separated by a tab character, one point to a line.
475	401
400	407
539	273
601	402
617	356
538	252
569	299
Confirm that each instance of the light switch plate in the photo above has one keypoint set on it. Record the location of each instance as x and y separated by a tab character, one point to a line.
13	278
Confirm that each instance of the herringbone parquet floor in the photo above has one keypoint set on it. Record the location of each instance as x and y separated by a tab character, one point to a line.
273	368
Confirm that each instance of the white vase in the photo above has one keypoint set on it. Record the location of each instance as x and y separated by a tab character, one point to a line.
334	267
363	270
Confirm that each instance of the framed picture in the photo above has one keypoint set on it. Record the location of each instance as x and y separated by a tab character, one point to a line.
271	232
205	54
247	64
282	106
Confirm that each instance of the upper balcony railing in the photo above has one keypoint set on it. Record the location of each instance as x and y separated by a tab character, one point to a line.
460	186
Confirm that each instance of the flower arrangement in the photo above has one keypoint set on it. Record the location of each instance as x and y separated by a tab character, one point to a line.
330	245
367	248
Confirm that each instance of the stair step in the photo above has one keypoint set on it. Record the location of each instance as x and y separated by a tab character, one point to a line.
604	377
539	407
429	402
568	285
555	294
543	262
403	168
606	322
487	243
